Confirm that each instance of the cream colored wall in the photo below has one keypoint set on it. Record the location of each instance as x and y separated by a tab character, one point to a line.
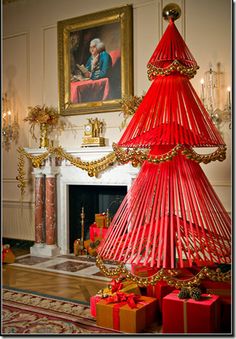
30	76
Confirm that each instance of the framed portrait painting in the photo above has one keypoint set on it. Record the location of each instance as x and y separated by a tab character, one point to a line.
95	59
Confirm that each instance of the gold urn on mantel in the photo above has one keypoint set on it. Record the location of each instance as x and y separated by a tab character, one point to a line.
48	119
92	133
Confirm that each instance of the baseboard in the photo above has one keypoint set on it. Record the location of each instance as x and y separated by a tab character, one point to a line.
19	243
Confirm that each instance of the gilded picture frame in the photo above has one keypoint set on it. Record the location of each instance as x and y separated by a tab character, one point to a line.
90	83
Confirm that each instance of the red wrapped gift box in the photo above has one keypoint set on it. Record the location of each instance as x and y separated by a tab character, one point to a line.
97	232
159	291
8	256
191	316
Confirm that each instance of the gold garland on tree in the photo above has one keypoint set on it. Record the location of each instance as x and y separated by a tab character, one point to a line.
154	71
170	276
138	156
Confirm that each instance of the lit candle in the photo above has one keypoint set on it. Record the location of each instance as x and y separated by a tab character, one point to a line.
229	100
202	93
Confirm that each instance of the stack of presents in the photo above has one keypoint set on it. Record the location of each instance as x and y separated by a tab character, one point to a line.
124	307
97	231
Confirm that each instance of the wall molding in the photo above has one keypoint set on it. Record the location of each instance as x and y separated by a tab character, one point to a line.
27	51
143	4
12	181
44	30
17	203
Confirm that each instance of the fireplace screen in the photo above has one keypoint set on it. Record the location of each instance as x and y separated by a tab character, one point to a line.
94	199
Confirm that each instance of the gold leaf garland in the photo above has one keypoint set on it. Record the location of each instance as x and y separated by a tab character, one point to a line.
21	175
163	274
92	167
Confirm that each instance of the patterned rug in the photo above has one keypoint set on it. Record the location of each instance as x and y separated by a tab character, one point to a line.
28	313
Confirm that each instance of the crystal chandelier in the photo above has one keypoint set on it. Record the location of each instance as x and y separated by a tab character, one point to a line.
210	86
10	126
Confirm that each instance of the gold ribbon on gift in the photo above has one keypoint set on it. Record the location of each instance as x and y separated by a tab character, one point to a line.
185	316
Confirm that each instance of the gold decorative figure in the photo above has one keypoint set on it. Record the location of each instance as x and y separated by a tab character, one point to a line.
92	133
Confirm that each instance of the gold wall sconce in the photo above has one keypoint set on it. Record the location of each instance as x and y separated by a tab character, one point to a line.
10	126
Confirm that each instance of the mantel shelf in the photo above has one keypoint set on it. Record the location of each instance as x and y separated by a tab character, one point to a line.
79	150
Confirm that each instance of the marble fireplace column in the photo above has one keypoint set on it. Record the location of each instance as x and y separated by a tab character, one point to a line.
45	210
50	205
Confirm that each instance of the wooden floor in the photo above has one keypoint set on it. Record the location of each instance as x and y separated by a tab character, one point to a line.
53	284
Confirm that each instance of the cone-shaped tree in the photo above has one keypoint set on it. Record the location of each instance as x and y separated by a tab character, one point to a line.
171	217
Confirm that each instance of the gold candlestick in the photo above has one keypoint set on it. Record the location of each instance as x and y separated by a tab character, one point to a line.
79	248
82	215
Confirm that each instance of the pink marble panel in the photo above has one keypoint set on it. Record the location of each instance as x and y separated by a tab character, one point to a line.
50	211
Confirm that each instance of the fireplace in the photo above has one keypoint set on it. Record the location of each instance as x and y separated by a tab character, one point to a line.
94	199
59	180
115	181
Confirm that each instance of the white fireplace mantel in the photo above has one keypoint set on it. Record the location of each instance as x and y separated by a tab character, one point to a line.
68	174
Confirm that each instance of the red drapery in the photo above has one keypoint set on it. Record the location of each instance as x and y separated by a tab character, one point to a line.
90	90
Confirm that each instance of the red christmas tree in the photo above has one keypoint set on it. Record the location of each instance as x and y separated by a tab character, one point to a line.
171	217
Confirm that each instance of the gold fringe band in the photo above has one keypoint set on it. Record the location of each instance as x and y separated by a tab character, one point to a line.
164	274
137	156
176	66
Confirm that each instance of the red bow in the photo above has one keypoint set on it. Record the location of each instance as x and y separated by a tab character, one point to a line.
116	286
130	298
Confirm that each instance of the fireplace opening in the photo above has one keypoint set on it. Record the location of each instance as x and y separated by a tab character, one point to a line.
94	199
